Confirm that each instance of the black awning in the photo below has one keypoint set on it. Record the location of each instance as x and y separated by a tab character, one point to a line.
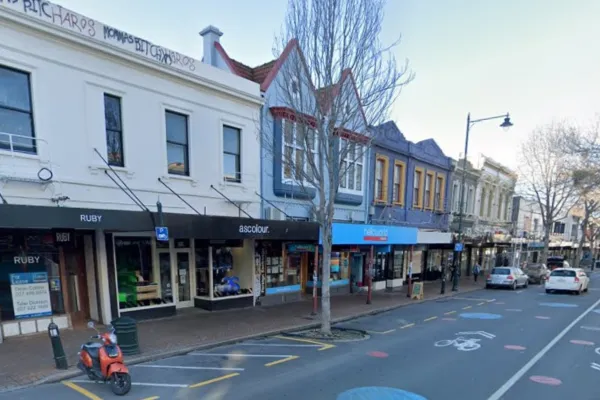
179	225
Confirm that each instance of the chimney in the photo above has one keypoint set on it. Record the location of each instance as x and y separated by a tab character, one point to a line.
211	35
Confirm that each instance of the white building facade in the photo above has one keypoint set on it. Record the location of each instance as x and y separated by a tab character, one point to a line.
99	131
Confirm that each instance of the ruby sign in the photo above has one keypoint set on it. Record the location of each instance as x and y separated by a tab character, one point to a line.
375	234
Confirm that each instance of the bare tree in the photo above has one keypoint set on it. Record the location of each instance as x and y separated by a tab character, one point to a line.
547	175
337	81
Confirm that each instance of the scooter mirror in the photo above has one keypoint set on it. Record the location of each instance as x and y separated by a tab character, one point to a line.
91	324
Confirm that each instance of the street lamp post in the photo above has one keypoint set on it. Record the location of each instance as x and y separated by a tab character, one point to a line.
470	122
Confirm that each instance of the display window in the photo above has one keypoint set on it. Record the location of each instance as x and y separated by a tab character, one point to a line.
30	275
338	270
140	282
272	254
232	270
399	259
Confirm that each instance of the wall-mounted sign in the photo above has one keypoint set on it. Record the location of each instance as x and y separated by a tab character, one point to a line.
64	238
30	294
375	234
300	248
260	229
90	218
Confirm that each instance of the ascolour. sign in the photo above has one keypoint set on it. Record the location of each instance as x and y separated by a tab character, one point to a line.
375	234
260	229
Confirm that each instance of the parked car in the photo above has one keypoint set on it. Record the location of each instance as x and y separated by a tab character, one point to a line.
573	280
557	262
510	277
536	272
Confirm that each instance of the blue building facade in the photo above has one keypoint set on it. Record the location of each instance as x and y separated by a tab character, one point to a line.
411	186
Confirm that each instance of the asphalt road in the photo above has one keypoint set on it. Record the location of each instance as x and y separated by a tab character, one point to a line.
489	344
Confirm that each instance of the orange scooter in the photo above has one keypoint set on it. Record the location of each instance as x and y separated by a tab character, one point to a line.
103	362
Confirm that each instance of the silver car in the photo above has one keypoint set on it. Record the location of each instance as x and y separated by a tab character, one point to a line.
511	277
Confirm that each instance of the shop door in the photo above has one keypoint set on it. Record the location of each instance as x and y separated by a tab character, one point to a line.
76	286
356	269
183	278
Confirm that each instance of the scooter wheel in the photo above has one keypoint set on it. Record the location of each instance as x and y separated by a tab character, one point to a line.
120	383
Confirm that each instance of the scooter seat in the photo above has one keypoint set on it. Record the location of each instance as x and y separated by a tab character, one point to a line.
92	349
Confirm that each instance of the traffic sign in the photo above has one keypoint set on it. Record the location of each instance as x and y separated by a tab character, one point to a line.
458	247
162	233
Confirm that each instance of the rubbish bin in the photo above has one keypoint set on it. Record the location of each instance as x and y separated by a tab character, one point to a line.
127	335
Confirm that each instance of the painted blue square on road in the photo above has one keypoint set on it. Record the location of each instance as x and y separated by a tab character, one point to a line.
458	247
162	233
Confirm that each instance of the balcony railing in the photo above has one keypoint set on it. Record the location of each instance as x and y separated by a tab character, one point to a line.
25	159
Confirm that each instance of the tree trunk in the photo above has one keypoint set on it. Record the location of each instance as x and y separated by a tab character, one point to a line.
579	251
544	257
325	296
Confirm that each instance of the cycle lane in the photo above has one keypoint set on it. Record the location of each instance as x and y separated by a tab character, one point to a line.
508	334
568	369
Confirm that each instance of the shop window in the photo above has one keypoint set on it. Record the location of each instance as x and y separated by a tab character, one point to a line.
30	279
293	269
273	260
398	264
139	283
338	270
379	267
232	271
202	270
16	112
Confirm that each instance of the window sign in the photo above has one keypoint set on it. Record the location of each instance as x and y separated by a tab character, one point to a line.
30	294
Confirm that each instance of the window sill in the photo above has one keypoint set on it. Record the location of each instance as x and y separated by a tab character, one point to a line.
29	156
95	169
351	192
398	204
183	178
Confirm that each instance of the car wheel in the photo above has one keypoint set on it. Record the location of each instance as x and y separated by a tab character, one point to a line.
526	285
514	286
548	291
488	287
578	292
585	290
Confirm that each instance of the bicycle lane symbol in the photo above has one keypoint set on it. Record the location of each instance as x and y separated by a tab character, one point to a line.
465	344
460	343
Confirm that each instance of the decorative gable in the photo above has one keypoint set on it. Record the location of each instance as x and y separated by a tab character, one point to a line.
430	147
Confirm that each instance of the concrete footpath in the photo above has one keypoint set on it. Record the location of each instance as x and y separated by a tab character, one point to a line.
28	360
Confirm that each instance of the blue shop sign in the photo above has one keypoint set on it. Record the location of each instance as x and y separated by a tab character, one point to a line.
344	234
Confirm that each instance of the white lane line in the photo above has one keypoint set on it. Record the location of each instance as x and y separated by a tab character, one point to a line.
595	366
279	345
241	355
497	395
185	367
591	328
174	385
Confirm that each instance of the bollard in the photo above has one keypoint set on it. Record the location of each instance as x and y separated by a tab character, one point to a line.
57	348
127	335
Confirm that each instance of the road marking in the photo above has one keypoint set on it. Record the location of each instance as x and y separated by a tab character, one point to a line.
595	366
470	298
519	292
81	390
449	312
208	382
482	333
279	345
467	307
407	326
429	319
514	309
240	355
324	346
480	304
591	328
184	367
169	385
281	361
490	301
152	398
382	333
497	395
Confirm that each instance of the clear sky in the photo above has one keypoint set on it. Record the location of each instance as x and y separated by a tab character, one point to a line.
537	59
